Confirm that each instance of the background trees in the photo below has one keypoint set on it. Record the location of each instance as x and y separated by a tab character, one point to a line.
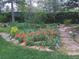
36	11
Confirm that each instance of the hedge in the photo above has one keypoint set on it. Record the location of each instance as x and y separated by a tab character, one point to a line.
43	17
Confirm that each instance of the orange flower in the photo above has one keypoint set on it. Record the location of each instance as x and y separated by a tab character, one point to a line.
49	30
37	33
32	33
17	35
23	35
44	33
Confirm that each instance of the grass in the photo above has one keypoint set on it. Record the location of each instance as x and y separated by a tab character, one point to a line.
4	29
9	51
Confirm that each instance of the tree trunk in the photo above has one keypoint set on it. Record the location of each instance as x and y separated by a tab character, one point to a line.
30	9
12	12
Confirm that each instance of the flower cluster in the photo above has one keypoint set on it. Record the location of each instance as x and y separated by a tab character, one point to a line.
41	35
20	37
13	30
44	32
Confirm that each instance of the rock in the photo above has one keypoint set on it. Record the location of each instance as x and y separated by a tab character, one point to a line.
4	24
16	42
23	44
6	36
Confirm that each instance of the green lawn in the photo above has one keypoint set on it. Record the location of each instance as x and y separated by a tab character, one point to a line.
9	51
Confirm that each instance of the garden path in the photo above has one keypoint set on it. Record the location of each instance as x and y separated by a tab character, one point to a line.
71	47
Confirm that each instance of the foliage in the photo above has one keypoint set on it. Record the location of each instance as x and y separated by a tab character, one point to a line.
71	4
60	17
5	17
67	21
20	37
13	30
44	18
38	18
2	18
2	29
41	37
22	7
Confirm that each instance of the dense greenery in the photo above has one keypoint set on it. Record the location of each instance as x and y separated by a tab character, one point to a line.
41	18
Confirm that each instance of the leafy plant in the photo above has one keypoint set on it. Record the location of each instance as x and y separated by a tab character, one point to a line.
39	37
13	30
20	37
2	18
42	37
67	21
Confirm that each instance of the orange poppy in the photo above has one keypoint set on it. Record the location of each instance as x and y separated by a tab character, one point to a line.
17	35
32	33
38	33
44	33
23	35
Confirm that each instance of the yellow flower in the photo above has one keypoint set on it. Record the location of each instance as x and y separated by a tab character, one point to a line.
13	30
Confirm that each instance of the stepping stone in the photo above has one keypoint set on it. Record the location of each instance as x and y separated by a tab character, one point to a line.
6	36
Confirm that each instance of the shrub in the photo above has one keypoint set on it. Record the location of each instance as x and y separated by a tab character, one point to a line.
2	18
13	30
67	22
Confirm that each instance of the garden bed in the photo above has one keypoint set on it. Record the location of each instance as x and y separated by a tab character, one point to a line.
42	36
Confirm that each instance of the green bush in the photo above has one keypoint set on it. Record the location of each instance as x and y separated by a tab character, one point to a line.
2	18
67	21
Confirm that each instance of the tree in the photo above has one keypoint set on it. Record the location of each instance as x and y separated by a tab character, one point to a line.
50	6
71	5
7	9
12	11
12	8
22	7
1	5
